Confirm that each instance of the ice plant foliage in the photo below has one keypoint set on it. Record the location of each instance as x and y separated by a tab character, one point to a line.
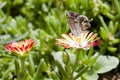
84	40
21	47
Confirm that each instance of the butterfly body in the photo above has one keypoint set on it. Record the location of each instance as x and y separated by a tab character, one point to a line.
78	23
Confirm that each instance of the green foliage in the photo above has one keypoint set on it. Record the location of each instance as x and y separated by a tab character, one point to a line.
44	21
106	63
83	65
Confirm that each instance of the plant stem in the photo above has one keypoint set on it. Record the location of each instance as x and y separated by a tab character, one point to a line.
21	71
75	65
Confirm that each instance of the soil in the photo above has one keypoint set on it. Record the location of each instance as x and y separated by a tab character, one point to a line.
109	76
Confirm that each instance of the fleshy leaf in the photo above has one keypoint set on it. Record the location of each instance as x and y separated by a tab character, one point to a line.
90	75
103	34
58	57
106	63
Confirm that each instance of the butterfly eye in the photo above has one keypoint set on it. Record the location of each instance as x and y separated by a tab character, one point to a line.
85	21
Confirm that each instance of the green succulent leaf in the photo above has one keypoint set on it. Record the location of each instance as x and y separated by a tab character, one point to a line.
112	49
103	34
90	75
41	67
111	27
106	63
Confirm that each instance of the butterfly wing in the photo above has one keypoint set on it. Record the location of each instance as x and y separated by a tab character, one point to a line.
77	23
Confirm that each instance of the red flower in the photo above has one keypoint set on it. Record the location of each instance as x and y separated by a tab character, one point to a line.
21	47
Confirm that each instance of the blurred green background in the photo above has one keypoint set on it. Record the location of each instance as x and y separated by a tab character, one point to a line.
45	20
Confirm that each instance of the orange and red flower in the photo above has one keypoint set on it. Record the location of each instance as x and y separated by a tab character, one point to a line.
21	47
84	40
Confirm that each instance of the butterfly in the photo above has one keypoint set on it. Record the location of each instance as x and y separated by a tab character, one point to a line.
77	23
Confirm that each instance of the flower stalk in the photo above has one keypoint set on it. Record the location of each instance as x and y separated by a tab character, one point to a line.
75	65
22	73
